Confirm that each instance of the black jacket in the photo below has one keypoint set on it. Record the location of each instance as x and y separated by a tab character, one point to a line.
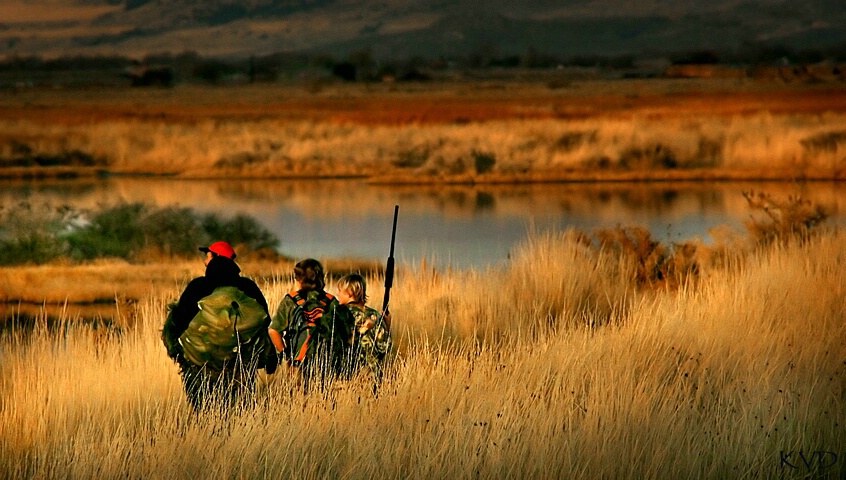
220	272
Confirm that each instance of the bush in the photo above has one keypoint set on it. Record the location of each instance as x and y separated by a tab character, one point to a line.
783	221
125	230
413	158
240	230
570	141
649	157
130	231
24	155
636	246
31	233
827	142
483	161
112	232
35	247
172	231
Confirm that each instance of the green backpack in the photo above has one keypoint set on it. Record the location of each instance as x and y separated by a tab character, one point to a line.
229	323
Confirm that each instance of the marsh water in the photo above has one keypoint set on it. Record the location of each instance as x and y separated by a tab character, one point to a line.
463	226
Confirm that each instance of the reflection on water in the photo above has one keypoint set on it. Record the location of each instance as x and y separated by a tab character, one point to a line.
462	225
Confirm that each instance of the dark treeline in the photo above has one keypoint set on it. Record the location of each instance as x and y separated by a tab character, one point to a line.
166	69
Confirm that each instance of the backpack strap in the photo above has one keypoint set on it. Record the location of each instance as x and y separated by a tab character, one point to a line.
303	350
324	299
311	321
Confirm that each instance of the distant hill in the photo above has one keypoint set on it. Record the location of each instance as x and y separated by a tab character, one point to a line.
407	28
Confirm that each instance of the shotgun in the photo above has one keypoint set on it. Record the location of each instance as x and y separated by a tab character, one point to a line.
389	268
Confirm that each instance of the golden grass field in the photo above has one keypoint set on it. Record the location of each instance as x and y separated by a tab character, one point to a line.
667	129
557	366
565	363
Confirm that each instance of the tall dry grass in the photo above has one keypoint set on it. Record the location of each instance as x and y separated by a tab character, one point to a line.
554	367
762	145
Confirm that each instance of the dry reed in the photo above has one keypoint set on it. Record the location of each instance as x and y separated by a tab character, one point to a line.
763	146
517	134
552	367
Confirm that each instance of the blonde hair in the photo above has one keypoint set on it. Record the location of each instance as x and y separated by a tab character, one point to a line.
355	286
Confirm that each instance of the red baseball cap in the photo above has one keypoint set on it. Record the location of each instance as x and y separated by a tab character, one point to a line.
220	248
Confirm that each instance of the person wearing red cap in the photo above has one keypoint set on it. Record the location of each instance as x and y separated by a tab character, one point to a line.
222	249
221	271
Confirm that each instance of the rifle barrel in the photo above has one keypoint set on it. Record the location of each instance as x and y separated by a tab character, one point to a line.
389	267
394	230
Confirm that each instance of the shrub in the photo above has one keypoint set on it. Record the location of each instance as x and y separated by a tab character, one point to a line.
24	155
782	220
682	265
111	232
35	247
570	141
483	161
31	233
41	233
654	156
709	153
240	230
824	142
412	158
636	246
241	160
650	262
172	231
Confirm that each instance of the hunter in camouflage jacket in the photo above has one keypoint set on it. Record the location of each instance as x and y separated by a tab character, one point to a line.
371	341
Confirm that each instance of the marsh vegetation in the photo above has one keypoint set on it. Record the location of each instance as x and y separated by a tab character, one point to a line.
607	353
459	133
601	356
41	233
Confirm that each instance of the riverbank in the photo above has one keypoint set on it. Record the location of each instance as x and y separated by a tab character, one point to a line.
490	132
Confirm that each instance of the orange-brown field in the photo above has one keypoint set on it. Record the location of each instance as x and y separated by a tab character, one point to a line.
667	129
427	104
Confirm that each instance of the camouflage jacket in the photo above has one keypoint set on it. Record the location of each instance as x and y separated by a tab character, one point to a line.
371	338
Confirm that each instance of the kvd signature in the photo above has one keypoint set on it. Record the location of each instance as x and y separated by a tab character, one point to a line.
815	460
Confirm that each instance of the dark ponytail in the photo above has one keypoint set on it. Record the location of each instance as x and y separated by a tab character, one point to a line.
309	273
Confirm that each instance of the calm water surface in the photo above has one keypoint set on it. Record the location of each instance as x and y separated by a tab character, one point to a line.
465	226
